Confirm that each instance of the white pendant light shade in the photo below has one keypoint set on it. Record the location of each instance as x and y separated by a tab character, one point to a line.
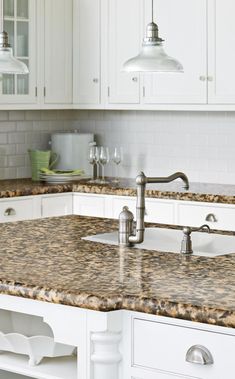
152	57
8	63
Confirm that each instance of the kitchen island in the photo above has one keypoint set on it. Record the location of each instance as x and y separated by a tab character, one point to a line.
106	292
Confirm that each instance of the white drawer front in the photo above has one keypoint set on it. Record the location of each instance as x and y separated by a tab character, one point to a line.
163	348
159	211
89	205
16	210
57	206
120	202
197	214
156	210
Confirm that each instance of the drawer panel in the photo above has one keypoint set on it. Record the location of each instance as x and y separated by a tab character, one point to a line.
156	210
222	217
57	206
89	205
16	210
159	211
163	348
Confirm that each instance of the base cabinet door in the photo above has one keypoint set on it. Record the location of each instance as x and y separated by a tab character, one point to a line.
182	24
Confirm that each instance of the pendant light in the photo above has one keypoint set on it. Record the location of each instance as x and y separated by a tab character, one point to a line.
8	63
152	57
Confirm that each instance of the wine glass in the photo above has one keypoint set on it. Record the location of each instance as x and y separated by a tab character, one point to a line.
103	160
93	159
117	159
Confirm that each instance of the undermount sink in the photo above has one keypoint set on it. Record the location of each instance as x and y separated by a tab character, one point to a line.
169	240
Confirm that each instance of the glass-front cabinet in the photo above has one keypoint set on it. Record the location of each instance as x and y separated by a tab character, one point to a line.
20	23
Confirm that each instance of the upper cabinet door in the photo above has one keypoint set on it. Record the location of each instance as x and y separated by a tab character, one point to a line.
221	52
124	33
20	23
58	39
183	26
87	51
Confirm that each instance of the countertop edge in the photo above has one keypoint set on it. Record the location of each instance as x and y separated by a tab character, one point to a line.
89	301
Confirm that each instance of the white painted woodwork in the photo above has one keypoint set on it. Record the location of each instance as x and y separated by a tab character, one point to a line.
163	347
89	205
21	209
87	51
106	357
58	41
124	39
161	211
221	55
52	206
31	40
195	214
183	26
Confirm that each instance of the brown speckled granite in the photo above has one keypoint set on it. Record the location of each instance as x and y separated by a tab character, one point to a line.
214	193
25	187
47	260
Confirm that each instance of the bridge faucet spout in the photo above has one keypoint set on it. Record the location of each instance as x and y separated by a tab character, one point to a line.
141	182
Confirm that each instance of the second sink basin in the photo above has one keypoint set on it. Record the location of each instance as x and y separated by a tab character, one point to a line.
169	240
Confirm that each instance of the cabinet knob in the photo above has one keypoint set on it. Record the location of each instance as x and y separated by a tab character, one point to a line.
95	80
202	78
211	218
200	355
210	78
10	212
135	79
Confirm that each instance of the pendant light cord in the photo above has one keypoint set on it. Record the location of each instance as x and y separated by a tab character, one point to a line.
1	16
152	10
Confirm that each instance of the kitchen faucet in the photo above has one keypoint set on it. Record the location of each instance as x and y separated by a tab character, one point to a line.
126	235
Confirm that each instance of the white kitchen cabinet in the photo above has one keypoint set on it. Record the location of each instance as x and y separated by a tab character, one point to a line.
17	209
87	52
159	211
183	26
20	23
89	205
124	38
221	55
58	40
54	205
217	216
163	347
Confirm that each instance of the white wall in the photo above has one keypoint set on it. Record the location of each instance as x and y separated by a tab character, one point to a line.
20	131
199	143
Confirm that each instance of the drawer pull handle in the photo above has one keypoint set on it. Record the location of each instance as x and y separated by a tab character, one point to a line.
211	218
200	355
9	212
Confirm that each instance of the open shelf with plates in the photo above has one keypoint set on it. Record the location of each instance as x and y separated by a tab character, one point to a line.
28	348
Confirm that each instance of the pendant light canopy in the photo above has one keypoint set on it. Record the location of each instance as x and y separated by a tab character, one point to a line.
152	57
8	63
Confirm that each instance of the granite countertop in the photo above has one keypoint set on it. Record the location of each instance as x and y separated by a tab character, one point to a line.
217	193
47	260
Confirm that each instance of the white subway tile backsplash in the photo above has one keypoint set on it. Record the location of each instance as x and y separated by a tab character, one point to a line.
23	130
16	161
200	143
